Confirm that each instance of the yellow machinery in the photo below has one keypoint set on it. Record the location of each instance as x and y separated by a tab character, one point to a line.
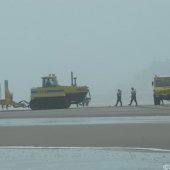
54	96
161	89
8	101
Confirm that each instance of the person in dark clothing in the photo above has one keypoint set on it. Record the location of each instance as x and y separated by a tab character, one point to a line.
119	97
133	97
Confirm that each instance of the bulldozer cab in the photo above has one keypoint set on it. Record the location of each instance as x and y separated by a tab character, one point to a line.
50	81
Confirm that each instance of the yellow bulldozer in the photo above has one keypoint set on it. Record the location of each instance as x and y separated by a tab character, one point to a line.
54	96
50	95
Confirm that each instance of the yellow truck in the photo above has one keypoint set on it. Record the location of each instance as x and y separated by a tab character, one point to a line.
161	89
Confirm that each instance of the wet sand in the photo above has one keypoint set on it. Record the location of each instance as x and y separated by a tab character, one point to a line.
113	135
143	135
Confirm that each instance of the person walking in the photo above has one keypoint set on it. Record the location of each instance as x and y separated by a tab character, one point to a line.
133	97
119	97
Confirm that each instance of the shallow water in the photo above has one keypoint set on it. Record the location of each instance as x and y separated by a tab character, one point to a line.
84	121
31	158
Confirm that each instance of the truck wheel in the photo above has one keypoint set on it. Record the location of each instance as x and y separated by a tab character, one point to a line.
156	100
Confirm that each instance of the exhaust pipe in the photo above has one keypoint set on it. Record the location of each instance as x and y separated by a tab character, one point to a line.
75	81
72	78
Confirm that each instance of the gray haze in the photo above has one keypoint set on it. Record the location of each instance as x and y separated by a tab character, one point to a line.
108	44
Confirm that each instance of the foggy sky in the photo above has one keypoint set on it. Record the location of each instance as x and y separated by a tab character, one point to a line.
106	43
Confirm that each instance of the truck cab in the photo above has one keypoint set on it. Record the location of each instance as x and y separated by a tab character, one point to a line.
161	89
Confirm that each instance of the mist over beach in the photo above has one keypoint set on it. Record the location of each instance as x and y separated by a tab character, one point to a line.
107	44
